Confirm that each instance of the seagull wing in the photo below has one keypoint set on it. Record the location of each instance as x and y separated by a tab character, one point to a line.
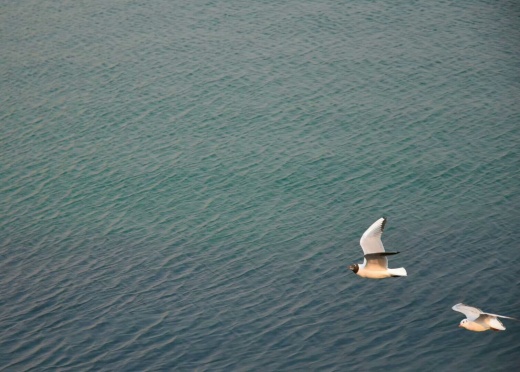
472	313
371	239
501	316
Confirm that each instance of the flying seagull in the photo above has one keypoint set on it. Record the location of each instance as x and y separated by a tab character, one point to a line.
479	321
375	265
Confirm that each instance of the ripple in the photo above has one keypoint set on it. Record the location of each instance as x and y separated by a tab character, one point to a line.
186	193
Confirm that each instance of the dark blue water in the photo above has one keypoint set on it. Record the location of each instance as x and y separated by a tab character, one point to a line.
184	183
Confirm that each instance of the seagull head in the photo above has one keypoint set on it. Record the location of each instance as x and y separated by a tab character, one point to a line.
463	323
354	268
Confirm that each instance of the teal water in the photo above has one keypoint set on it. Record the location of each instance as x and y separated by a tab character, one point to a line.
184	183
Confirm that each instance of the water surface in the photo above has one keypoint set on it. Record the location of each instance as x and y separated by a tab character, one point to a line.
184	183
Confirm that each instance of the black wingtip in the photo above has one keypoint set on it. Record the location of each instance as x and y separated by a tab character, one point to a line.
383	224
379	254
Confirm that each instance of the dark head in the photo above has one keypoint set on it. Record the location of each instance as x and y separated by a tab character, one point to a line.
354	268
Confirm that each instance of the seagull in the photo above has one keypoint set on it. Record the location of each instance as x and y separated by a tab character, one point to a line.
479	321
375	265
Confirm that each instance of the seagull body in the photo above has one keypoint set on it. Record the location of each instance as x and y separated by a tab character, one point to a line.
375	264
479	321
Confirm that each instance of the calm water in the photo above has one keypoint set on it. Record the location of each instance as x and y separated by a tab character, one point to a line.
183	184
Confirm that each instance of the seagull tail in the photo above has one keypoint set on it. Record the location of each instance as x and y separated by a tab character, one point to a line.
397	272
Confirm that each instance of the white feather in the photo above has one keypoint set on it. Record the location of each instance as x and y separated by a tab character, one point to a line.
371	239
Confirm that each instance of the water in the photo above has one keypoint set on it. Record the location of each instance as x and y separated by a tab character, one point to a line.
183	184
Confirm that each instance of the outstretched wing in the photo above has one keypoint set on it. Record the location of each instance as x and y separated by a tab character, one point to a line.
472	313
501	316
371	239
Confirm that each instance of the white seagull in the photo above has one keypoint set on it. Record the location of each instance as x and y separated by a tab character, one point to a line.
375	265
479	321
